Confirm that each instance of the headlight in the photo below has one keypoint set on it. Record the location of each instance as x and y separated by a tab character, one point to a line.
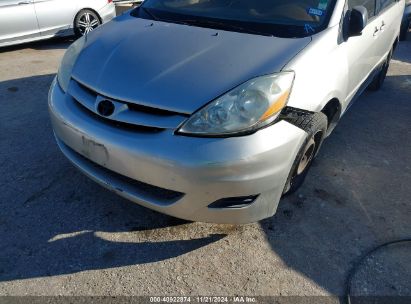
246	108
67	64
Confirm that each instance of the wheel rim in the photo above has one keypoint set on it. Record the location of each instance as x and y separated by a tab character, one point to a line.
87	22
308	155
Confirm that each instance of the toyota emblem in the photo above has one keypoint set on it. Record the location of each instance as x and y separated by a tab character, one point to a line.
106	108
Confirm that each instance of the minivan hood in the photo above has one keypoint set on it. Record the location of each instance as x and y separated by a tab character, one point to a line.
173	66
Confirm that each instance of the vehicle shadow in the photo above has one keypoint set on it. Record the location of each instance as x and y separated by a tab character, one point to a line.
56	221
355	197
49	44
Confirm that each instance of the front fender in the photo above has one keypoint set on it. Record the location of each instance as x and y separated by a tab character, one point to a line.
321	73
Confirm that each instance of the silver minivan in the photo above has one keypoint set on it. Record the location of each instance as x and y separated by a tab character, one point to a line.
212	110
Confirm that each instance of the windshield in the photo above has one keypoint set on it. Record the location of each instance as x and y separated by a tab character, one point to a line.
286	18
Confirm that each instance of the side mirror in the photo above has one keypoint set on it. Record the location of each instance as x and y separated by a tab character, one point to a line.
358	19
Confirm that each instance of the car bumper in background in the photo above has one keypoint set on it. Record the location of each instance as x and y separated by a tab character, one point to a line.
108	12
178	175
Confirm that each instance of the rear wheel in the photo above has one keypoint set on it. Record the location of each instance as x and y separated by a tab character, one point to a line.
85	22
404	29
378	81
315	125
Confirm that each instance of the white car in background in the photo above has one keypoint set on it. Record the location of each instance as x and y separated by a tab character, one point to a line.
29	20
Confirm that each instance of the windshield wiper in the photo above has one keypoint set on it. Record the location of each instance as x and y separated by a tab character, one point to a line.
205	23
222	26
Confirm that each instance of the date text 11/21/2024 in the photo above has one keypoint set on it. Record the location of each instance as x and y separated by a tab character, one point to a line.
203	299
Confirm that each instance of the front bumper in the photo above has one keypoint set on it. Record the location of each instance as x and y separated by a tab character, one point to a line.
200	170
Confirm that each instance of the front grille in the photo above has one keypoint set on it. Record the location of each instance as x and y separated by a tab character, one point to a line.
117	124
126	113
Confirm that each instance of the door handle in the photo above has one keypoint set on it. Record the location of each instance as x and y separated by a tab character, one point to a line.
382	27
376	31
24	2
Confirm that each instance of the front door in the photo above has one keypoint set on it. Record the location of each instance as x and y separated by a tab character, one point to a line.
18	21
389	17
55	17
361	50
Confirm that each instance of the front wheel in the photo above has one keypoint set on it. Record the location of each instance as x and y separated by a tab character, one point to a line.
379	79
315	125
85	22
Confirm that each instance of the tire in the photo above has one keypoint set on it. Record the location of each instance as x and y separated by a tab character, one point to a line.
315	124
404	30
85	22
378	81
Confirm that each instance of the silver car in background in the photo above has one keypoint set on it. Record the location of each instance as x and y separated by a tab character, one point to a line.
211	110
30	20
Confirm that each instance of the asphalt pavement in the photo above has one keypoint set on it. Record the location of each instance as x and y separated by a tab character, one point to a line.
62	234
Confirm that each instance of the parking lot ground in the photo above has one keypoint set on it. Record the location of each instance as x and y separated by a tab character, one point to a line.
62	234
121	8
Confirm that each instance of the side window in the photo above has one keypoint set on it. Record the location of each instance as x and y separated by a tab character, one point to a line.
382	4
368	4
